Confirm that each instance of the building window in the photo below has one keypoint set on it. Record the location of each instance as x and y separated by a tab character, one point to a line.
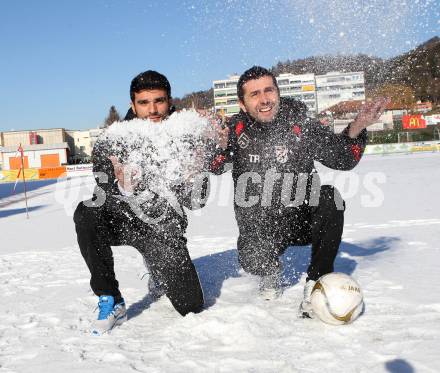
283	82
336	79
219	85
220	94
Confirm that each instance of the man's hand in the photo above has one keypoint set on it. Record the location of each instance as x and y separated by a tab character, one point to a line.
222	136
369	114
128	175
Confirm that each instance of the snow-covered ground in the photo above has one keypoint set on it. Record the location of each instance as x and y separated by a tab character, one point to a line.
393	250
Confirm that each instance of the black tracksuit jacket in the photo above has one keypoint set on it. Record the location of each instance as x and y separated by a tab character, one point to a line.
288	145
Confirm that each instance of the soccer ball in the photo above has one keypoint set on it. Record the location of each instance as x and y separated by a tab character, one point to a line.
337	299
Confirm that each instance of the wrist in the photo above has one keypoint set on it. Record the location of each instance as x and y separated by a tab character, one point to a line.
354	130
124	191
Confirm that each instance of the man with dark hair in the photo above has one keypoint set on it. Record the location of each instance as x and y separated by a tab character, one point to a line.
255	72
279	201
144	84
107	220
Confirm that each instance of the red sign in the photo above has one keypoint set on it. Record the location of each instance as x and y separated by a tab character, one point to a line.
413	122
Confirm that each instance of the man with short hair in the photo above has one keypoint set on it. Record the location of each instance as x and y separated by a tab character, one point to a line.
113	223
279	201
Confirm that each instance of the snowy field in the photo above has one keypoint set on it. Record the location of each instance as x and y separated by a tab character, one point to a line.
393	250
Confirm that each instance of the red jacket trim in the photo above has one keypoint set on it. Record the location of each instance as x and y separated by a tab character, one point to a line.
239	128
296	130
357	152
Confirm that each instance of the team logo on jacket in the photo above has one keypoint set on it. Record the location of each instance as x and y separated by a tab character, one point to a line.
243	141
281	153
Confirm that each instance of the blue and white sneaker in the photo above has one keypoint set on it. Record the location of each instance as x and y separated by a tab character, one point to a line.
110	315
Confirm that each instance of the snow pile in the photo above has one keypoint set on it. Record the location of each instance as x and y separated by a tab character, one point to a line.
165	153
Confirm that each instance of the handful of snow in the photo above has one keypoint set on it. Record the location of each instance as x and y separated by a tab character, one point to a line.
167	153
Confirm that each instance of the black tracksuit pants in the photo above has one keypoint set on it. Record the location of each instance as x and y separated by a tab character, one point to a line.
162	245
263	240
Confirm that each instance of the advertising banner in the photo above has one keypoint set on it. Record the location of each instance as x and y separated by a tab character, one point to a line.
403	147
413	122
425	148
51	172
79	170
432	120
8	176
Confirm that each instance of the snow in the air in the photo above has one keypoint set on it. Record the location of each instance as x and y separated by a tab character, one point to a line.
392	249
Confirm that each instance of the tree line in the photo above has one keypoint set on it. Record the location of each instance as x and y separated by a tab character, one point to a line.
415	75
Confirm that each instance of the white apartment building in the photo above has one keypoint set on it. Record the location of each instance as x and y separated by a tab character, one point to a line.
301	87
79	144
318	92
335	87
94	134
225	96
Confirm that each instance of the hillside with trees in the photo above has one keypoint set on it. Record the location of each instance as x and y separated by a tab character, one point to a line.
199	100
418	69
